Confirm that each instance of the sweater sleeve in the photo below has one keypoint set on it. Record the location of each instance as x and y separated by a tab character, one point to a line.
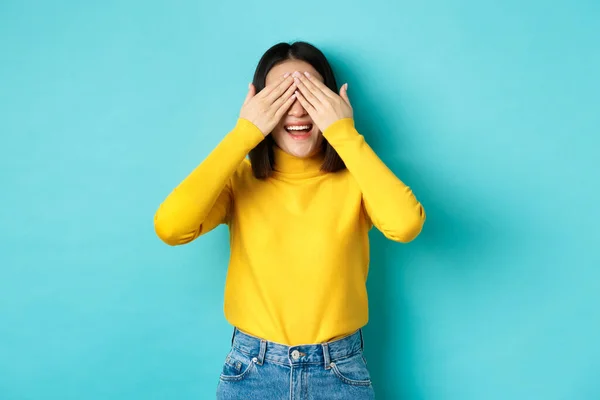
203	199
389	203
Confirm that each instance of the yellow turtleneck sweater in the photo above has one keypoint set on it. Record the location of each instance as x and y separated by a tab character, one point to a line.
299	239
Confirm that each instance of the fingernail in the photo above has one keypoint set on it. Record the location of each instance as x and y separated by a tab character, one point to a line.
286	75
307	74
346	86
295	79
249	85
296	73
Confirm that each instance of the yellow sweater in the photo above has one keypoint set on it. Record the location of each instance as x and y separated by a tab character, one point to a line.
299	240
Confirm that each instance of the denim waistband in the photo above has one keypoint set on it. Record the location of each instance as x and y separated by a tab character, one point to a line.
322	353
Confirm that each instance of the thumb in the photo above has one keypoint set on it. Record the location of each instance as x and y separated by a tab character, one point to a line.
344	93
251	91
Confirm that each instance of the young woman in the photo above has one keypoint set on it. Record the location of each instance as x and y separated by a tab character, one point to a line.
298	211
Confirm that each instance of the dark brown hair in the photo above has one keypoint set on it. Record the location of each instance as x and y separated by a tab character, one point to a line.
261	157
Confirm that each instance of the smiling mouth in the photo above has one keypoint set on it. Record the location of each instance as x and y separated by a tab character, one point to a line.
299	132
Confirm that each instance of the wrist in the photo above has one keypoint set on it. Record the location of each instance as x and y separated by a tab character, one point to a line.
248	132
341	127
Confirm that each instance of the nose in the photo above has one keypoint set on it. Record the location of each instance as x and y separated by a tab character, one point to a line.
296	110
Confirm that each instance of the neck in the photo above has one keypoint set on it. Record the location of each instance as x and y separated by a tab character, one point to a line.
285	163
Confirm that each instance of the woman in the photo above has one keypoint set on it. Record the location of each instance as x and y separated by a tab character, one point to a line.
299	211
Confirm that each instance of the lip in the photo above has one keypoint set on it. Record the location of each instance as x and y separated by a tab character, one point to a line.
307	135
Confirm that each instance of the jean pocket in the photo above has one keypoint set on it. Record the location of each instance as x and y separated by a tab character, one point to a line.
237	366
352	370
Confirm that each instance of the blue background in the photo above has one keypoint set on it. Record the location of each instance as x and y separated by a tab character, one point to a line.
489	110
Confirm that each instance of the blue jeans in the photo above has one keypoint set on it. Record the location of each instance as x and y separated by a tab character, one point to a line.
259	369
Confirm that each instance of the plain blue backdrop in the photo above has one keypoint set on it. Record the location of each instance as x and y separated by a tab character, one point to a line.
489	110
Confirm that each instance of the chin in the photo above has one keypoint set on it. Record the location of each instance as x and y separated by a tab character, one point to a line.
298	147
301	153
301	150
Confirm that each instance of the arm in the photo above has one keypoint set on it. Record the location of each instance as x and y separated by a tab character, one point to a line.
203	199
389	203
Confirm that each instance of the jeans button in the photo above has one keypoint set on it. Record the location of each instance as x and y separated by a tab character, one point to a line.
295	354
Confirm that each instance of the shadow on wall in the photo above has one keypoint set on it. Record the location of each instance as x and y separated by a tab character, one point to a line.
452	230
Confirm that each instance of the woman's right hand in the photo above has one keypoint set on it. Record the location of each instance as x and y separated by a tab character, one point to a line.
266	108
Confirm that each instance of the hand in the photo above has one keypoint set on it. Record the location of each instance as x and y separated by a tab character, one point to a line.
323	105
266	108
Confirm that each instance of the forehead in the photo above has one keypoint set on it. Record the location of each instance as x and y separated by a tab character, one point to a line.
290	66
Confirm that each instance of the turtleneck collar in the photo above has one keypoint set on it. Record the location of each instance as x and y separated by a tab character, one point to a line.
288	164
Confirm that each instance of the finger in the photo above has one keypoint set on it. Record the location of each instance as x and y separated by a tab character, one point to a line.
326	91
307	93
305	103
344	93
269	88
315	91
251	92
278	88
285	106
284	97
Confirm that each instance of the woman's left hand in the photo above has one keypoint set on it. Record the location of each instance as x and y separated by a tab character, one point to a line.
322	104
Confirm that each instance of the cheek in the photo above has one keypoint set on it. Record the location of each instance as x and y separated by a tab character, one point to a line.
279	135
278	132
278	128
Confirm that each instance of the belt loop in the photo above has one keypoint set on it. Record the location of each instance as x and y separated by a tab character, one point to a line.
263	349
362	342
326	357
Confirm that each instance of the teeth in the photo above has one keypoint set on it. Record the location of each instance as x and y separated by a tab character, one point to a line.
298	128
